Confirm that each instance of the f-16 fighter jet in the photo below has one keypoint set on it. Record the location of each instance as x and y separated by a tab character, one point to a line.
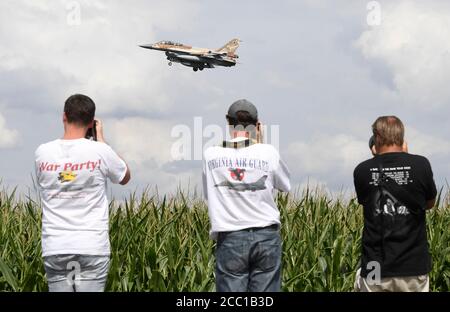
197	58
242	187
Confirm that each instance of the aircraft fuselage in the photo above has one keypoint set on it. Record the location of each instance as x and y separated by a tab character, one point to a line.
198	61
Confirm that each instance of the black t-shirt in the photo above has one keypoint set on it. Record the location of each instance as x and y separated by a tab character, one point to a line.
395	235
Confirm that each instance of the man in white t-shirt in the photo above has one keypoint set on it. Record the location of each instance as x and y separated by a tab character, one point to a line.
238	182
72	175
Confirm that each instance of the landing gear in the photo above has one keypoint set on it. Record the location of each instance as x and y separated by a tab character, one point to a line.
201	68
195	69
170	63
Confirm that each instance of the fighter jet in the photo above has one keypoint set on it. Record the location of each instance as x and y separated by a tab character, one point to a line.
197	58
242	187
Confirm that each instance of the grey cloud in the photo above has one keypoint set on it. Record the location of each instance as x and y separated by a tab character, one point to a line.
299	65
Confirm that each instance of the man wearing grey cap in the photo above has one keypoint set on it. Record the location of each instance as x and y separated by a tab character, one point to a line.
239	178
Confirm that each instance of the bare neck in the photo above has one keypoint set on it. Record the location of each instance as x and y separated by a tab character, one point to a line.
384	149
240	134
74	132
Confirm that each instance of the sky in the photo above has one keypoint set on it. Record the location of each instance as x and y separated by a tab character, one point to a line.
320	72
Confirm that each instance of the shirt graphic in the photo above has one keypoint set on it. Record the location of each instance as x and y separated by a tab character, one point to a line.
242	187
389	205
239	184
72	176
237	173
395	233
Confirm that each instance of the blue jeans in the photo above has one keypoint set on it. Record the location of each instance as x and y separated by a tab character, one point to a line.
76	273
249	260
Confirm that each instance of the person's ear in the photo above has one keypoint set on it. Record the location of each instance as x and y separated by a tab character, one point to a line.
405	147
374	150
64	117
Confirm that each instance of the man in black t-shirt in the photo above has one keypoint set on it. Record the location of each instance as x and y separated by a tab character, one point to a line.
395	188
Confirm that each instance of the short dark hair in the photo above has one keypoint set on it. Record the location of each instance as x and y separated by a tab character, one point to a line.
79	109
243	118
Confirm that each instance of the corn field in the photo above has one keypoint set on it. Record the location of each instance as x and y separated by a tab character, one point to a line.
161	243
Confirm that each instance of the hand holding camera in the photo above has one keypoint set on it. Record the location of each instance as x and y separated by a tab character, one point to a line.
96	132
91	134
372	145
259	133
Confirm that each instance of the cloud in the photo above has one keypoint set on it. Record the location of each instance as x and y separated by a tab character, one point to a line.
412	42
327	153
324	90
100	56
277	80
427	145
8	137
139	139
43	60
326	159
145	144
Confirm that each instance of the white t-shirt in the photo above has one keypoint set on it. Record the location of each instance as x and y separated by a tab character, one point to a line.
72	177
238	184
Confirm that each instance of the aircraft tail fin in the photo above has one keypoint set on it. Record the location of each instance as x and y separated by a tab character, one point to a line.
230	47
262	180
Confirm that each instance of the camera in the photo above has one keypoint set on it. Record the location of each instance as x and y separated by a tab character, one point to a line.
371	141
91	134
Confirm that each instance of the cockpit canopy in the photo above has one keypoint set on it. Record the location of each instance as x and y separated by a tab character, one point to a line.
170	43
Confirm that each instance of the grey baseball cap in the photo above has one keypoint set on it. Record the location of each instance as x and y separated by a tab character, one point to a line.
243	105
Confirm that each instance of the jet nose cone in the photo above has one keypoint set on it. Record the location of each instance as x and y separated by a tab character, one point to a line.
147	46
